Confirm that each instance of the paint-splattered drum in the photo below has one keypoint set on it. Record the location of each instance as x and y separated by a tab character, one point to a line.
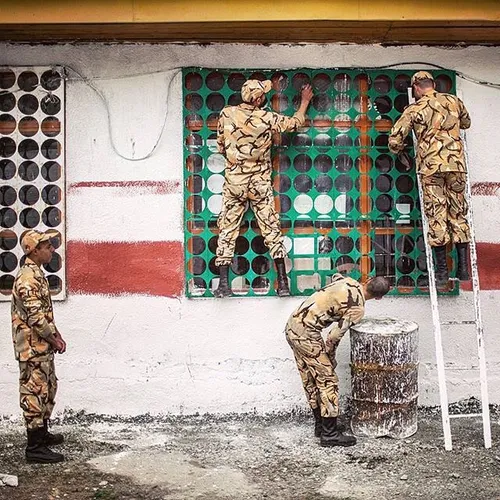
384	377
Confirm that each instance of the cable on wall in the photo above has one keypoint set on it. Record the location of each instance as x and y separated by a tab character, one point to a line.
88	81
176	70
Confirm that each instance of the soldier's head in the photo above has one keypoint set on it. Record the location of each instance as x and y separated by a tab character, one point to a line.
421	82
376	287
37	246
254	92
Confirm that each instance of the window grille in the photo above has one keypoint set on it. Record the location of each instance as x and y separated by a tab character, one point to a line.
32	163
346	203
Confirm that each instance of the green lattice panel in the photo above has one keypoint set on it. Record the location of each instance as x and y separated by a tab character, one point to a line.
346	203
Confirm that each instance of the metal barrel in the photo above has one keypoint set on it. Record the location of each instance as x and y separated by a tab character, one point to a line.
384	377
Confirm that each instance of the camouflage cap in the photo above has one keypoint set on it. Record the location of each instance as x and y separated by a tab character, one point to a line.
421	75
252	89
32	239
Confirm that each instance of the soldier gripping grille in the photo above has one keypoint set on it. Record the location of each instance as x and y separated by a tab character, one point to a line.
244	137
342	301
36	339
437	119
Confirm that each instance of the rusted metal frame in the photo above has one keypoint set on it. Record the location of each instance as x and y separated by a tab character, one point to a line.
258	31
365	224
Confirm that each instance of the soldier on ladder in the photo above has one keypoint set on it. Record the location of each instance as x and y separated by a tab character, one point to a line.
444	190
436	119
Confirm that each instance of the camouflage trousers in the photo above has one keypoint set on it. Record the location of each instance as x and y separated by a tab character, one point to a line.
316	367
37	387
259	193
445	207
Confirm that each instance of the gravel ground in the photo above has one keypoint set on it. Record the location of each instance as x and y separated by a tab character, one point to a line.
250	457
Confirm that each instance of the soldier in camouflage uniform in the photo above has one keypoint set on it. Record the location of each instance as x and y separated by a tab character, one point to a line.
343	302
244	137
36	339
436	119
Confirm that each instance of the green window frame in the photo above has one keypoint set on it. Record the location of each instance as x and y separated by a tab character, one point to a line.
346	203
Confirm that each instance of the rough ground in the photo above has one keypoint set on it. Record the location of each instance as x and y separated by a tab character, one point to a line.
249	457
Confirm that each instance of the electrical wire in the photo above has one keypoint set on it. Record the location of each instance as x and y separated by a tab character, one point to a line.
176	70
89	81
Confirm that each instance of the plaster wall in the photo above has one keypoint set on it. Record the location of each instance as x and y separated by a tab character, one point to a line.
135	353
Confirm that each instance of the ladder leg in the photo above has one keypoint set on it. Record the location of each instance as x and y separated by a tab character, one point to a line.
485	407
443	391
485	410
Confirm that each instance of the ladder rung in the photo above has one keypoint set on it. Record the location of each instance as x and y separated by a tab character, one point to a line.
473	322
466	415
461	368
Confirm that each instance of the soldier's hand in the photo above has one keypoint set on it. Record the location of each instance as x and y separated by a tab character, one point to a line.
405	159
328	345
62	350
61	344
306	93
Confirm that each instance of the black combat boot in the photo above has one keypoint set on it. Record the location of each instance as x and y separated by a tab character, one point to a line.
37	451
318	423
283	290
463	261
49	438
331	435
224	289
442	276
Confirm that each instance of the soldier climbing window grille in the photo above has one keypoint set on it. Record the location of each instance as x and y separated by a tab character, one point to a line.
346	203
32	166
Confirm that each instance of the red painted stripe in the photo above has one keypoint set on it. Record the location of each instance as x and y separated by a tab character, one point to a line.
149	268
488	255
156	268
156	187
485	188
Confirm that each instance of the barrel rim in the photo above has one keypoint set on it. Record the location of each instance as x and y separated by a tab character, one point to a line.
405	326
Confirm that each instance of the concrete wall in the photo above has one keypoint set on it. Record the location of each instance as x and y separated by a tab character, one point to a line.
132	353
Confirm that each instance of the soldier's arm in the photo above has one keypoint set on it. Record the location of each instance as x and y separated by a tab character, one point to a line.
30	294
282	123
352	316
463	114
221	147
399	131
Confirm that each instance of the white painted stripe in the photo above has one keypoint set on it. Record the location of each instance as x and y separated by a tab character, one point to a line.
141	214
123	214
486	221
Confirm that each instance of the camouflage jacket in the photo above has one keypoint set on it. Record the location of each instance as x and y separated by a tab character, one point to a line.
244	137
342	301
436	119
32	314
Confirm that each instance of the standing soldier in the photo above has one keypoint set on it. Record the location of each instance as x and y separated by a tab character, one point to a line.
437	119
36	339
342	301
244	137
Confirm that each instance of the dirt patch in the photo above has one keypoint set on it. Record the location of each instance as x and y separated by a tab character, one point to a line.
249	457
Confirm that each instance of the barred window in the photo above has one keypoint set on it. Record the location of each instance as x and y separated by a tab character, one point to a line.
346	203
32	162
